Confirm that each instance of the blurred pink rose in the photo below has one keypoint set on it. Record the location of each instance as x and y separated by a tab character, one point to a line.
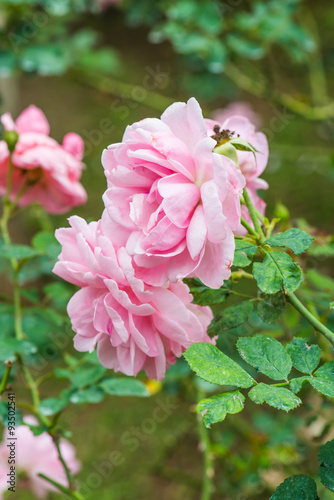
50	171
238	108
36	455
250	166
178	200
135	326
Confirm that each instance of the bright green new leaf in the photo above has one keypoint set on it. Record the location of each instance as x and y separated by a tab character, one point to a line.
215	408
231	317
214	366
326	469
295	239
124	386
277	270
296	487
278	397
267	355
271	307
244	253
304	358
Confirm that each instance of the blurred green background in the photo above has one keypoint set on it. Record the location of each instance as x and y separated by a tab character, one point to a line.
97	95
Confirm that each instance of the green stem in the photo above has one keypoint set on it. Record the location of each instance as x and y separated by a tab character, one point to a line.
64	464
248	227
63	489
310	318
253	214
5	378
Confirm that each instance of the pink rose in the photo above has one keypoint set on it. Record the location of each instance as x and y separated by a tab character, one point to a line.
177	199
37	455
135	326
250	166
49	171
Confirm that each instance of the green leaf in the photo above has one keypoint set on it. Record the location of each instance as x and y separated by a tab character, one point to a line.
231	317
297	383
278	397
331	305
295	239
277	270
205	296
213	366
271	307
47	244
296	487
82	376
244	253
326	469
92	394
215	408
267	355
324	379
50	406
304	358
124	386
9	347
19	252
242	145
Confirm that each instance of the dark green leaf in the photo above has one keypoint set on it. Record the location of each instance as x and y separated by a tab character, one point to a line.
278	397
244	253
326	470
271	307
231	317
277	270
305	358
213	366
4	414
296	487
205	296
215	408
267	355
124	386
295	239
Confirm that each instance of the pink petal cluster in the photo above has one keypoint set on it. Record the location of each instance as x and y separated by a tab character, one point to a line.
251	166
50	172
36	455
178	200
134	325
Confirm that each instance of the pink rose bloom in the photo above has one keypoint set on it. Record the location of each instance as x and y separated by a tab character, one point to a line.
36	455
177	199
238	108
50	171
250	166
135	326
